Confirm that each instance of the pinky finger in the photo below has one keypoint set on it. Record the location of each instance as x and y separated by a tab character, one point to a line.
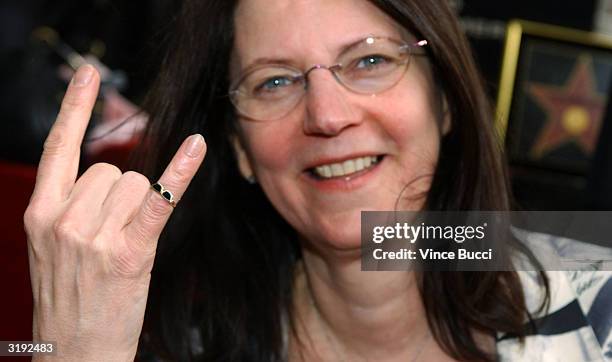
156	209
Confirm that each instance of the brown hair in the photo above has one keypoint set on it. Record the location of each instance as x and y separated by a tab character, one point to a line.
471	175
224	264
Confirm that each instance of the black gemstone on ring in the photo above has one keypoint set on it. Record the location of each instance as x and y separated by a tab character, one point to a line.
167	195
157	187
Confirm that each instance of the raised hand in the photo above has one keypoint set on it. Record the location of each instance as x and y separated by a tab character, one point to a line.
92	241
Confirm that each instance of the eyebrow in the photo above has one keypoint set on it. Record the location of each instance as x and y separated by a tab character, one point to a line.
286	61
266	60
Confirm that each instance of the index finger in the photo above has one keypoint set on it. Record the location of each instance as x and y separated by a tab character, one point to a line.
59	163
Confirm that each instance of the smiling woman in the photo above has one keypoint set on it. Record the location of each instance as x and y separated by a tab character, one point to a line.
334	107
313	111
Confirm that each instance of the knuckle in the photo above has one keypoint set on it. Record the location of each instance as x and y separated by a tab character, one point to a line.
130	263
106	169
67	230
137	179
55	143
99	246
32	218
182	173
155	208
124	264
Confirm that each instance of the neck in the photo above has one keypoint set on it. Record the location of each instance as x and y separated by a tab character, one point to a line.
372	315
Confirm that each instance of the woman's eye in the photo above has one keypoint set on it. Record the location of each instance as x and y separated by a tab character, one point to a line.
274	83
371	61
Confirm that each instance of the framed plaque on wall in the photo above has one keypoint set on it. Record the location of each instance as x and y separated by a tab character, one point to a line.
552	98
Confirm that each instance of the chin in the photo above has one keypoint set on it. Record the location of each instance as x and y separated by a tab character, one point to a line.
338	235
337	226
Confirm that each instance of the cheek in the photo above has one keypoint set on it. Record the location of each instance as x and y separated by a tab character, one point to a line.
273	151
269	147
407	117
272	155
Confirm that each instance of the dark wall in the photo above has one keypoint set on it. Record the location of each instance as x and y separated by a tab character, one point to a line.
574	14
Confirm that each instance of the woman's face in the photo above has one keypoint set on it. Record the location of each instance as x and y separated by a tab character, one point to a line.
331	124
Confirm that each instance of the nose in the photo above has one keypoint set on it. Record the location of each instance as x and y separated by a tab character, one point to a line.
328	111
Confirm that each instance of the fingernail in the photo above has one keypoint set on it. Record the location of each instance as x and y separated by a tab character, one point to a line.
195	145
83	75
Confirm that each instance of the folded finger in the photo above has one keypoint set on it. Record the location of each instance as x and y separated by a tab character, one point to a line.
88	195
124	200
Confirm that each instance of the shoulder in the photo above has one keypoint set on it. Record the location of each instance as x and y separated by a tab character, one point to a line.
577	325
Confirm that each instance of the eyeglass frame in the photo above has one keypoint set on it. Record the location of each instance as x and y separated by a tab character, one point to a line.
334	68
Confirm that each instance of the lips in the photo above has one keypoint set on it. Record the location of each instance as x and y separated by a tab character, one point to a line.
345	168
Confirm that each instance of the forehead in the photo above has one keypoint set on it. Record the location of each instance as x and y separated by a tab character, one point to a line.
305	29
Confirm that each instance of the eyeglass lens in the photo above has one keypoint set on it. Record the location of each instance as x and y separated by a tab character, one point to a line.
368	67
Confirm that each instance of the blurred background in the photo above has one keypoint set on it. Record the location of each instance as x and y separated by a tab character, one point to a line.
41	41
557	128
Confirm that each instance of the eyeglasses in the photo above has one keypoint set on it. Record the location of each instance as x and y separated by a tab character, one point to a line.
370	66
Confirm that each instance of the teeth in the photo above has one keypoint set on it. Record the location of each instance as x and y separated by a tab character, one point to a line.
345	168
337	170
326	171
348	166
359	164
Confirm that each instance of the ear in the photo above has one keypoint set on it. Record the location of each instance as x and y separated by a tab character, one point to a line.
244	165
446	116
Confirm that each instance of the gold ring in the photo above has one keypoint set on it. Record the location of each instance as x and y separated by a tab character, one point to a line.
165	194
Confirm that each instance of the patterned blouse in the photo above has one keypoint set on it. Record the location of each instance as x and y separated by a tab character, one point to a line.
578	323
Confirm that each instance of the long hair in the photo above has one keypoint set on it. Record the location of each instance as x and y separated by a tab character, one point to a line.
221	287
